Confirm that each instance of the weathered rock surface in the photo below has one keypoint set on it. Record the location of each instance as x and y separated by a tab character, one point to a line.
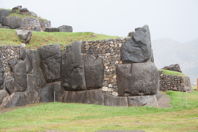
51	92
20	99
3	94
3	13
73	76
149	100
24	35
12	22
86	96
137	48
137	79
50	61
110	100
65	28
94	71
173	67
30	23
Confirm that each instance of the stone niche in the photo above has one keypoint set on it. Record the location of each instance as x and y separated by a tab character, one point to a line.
79	72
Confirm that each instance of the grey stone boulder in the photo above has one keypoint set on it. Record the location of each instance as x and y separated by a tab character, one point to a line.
35	77
20	99
50	61
20	77
137	48
173	67
95	97
24	35
4	13
9	85
3	94
47	93
65	28
110	100
149	100
94	71
51	29
51	92
12	22
137	79
85	96
72	69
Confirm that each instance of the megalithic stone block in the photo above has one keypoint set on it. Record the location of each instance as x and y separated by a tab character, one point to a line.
137	47
73	75
137	79
50	61
94	71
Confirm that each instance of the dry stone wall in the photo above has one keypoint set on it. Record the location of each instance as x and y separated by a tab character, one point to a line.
109	51
175	83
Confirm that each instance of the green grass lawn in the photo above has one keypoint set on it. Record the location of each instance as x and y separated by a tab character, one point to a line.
181	117
169	72
9	37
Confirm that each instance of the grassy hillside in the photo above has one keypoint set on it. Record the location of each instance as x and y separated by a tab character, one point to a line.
9	37
173	73
181	117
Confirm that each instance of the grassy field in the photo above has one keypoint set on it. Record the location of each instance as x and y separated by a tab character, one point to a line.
9	37
181	117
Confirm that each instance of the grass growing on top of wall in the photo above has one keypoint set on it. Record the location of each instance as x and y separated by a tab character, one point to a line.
9	37
181	117
173	73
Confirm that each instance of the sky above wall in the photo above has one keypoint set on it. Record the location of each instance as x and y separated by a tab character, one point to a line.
175	19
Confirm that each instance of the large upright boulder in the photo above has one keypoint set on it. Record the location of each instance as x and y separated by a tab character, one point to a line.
137	79
137	48
73	76
20	77
50	61
3	13
94	71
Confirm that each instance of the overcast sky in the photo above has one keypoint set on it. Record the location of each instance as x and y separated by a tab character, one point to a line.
175	19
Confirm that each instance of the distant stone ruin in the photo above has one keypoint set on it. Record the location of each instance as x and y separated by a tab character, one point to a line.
21	18
117	72
174	82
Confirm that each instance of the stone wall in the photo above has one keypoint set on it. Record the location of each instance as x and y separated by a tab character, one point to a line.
176	83
81	72
109	51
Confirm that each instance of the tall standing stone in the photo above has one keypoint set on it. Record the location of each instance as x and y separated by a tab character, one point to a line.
137	48
73	77
50	61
